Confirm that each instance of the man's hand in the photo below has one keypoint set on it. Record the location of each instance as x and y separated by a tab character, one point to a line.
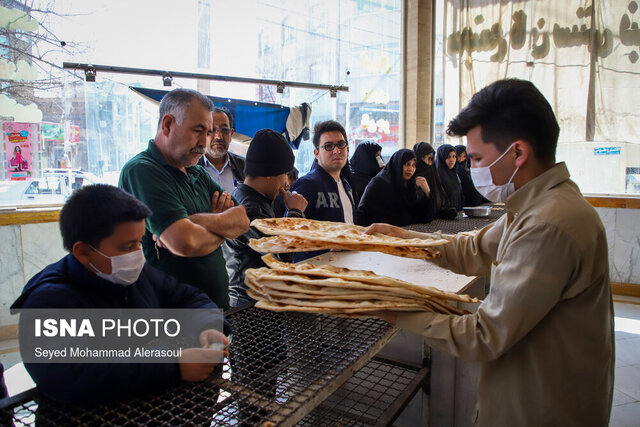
295	201
231	223
211	336
159	242
388	229
228	224
221	202
422	184
196	364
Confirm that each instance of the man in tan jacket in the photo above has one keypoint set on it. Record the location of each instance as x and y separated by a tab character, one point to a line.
544	333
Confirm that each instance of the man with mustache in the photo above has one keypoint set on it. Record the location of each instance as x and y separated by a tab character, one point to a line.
328	194
226	168
192	215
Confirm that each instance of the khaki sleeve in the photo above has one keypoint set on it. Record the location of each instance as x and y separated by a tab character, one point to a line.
526	284
468	255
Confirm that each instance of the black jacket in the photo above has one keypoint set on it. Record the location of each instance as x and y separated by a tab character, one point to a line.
470	195
449	177
236	163
238	254
364	166
438	196
322	194
67	284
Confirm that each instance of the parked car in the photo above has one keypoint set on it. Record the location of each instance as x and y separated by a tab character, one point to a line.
53	188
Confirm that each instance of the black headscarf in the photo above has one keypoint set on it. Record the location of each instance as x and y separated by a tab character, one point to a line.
422	149
449	177
364	165
459	150
438	197
389	198
470	195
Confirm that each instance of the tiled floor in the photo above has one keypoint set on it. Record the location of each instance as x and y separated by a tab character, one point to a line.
626	396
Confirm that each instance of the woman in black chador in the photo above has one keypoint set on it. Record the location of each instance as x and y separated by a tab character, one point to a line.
446	161
365	164
426	167
470	195
395	195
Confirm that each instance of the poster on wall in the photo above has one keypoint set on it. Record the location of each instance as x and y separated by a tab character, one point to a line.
51	132
21	141
74	134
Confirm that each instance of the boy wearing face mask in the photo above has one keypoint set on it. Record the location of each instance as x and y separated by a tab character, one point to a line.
102	227
544	333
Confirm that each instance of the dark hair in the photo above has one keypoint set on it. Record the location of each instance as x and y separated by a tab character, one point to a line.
225	111
508	110
92	212
327	126
178	100
293	173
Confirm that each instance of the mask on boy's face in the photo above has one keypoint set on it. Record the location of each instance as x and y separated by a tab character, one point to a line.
125	269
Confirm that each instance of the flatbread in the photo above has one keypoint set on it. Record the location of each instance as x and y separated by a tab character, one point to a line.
336	232
328	289
287	244
279	286
362	276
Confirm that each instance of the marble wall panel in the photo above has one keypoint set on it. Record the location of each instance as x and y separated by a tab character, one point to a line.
41	246
626	254
11	264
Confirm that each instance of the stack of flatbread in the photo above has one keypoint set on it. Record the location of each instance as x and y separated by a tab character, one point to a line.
339	291
306	235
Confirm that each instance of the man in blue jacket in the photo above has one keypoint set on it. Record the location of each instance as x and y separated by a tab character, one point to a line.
102	228
328	194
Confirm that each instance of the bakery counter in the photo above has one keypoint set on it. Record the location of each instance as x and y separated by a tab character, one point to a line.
283	369
449	393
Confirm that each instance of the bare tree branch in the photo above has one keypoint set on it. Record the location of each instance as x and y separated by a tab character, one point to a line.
37	48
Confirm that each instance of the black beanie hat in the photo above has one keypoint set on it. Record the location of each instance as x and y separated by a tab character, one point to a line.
269	154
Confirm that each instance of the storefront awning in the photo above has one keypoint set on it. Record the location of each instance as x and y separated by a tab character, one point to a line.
251	116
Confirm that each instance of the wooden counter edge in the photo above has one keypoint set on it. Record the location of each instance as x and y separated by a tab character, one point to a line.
625	289
36	216
50	214
622	202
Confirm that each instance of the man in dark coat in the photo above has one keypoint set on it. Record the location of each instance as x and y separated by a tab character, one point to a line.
269	160
325	186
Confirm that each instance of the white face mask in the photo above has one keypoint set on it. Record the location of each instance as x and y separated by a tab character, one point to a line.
125	269
483	180
380	162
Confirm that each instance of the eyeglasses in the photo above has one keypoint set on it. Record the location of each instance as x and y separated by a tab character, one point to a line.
224	131
330	146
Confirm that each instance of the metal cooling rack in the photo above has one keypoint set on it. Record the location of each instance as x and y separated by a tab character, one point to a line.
458	224
374	396
281	367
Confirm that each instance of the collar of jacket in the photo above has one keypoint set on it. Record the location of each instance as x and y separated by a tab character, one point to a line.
527	195
325	175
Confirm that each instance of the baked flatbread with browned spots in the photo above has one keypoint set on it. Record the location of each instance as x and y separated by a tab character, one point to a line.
336	232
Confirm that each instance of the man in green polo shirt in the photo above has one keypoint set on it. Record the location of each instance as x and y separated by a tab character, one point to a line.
192	215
